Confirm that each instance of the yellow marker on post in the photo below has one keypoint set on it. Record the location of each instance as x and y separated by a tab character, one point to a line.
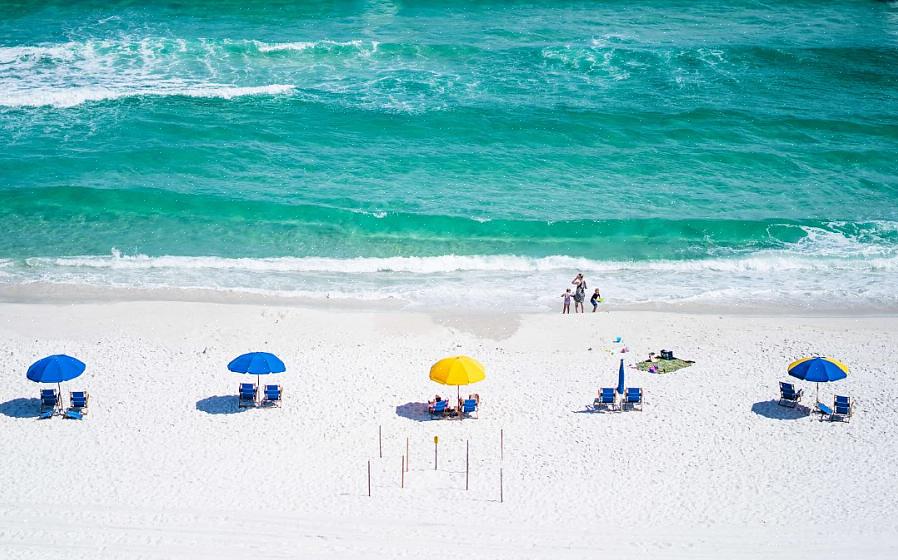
436	440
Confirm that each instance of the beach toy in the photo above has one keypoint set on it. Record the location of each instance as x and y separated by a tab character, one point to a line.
617	339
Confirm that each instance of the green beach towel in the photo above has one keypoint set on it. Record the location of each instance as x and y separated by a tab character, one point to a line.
664	366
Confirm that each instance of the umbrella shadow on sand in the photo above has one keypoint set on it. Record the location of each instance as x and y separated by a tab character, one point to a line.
21	408
414	411
219	404
772	409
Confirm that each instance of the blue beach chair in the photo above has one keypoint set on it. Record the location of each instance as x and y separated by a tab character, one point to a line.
788	396
633	398
439	408
49	403
469	407
607	399
842	409
246	395
273	395
78	401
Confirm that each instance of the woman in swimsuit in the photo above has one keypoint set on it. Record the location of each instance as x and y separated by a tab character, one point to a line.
580	295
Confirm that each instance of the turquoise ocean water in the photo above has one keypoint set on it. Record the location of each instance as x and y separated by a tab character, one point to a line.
455	153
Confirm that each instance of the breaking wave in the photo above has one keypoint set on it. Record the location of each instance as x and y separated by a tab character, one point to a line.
797	277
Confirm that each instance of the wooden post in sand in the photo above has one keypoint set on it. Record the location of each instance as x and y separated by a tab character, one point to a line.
380	442
467	469
501	497
436	440
369	478
402	476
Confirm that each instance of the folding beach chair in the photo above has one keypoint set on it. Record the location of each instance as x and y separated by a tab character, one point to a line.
788	396
633	398
439	408
272	395
469	407
49	403
78	401
842	409
607	399
246	395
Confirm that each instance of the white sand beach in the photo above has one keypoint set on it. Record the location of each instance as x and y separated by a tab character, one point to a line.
163	466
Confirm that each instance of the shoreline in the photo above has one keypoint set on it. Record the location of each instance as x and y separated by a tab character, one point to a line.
67	294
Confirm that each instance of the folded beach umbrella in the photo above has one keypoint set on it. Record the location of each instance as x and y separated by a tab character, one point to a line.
257	363
620	378
818	369
55	369
457	370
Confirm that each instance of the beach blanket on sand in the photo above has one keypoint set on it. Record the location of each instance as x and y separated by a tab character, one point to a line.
664	366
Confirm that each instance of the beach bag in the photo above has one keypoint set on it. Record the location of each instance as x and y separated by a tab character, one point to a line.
667	355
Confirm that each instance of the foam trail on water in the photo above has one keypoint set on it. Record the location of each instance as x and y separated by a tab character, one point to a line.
69	74
71	97
361	46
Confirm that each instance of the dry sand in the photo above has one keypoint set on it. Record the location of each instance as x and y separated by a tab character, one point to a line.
164	467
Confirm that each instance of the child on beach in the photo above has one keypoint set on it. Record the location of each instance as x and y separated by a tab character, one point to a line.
567	301
595	299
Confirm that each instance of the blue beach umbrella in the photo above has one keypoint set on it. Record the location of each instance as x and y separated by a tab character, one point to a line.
257	363
818	369
55	369
620	378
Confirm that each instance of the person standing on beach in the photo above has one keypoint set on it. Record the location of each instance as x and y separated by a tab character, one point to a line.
595	299
567	301
580	295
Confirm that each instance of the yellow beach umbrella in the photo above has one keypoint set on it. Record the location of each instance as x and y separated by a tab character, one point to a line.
457	370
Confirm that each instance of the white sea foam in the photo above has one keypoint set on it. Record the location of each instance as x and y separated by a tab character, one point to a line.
70	97
772	278
62	51
367	46
293	46
70	74
762	262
